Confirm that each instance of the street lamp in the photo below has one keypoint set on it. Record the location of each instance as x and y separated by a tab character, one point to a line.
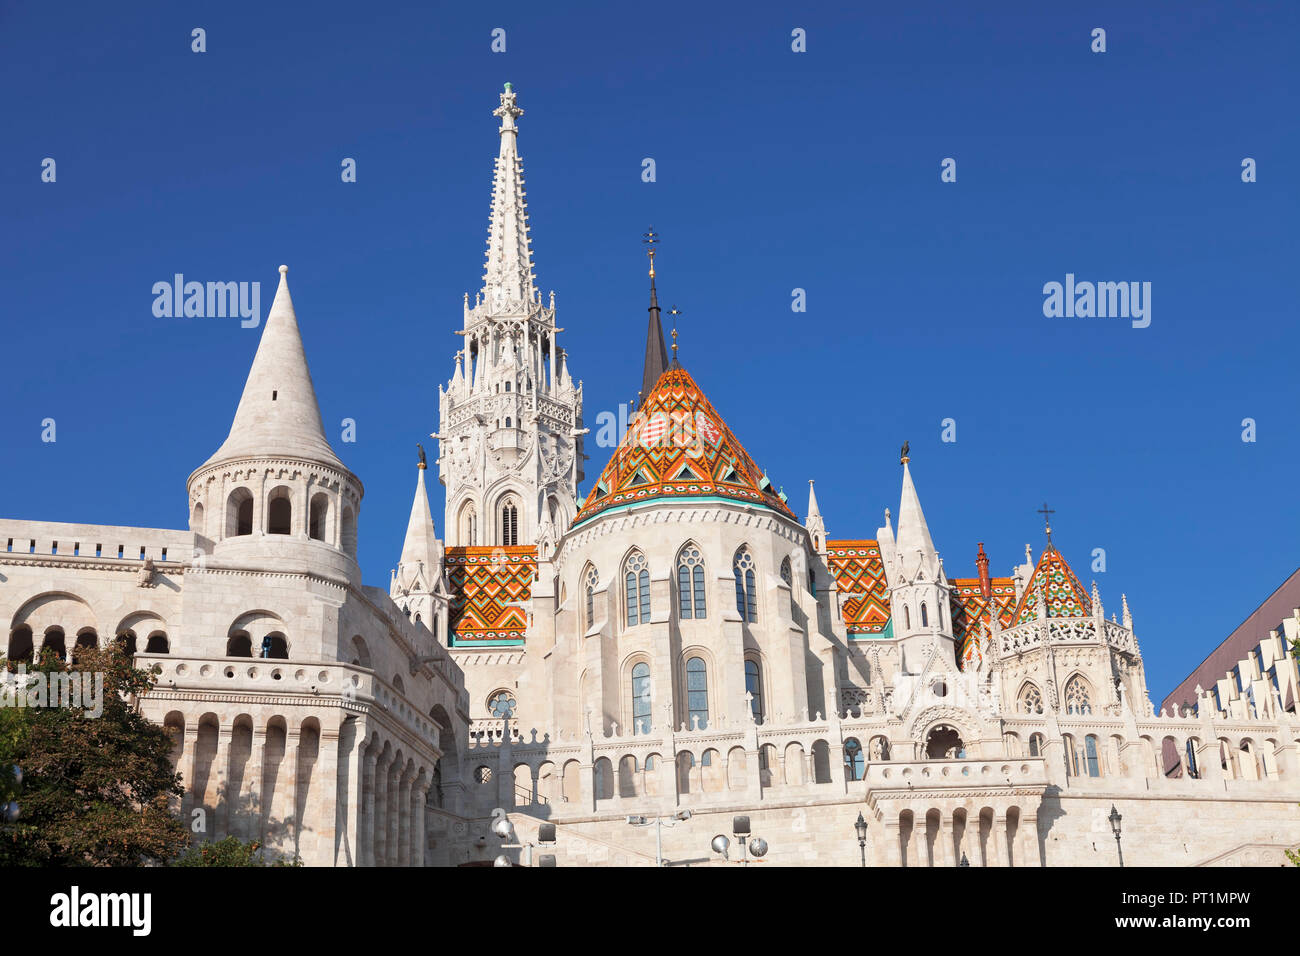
658	822
1115	819
861	827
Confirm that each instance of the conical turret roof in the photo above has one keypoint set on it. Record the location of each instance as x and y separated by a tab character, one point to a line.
278	415
915	548
679	447
1062	590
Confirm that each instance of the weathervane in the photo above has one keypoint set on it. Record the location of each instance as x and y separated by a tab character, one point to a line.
1047	512
674	312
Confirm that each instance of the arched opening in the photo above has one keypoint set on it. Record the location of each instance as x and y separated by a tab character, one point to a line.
20	644
1030	699
126	643
1035	745
821	754
690	583
854	762
1078	696
239	644
907	618
348	532
274	646
509	523
742	569
56	642
925	615
944	743
627	776
590	581
637	589
603	782
157	644
879	748
467	523
196	518
360	652
641	700
279	511
87	637
697	694
754	688
317	521
239	513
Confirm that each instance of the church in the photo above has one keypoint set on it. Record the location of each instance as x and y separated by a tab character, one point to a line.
673	650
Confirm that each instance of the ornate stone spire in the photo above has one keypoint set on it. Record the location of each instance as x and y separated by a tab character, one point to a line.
278	415
916	552
509	272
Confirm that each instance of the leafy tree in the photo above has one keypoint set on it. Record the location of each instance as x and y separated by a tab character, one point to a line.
95	789
228	852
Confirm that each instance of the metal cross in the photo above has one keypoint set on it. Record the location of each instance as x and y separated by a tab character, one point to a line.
1047	512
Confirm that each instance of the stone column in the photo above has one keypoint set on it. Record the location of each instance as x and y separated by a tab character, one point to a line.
946	835
404	817
257	803
379	818
391	818
293	823
221	769
366	839
997	849
189	759
914	838
1031	854
419	838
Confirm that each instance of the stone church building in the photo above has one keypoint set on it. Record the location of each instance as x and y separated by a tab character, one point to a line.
675	644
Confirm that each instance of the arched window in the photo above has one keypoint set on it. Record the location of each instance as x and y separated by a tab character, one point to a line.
697	694
239	512
502	704
1035	745
1191	760
467	524
320	505
907	618
787	575
742	568
637	589
1077	698
1031	701
939	608
854	762
279	512
925	616
126	642
1071	756
509	523
754	687
1090	756
690	583
274	646
641	698
20	644
239	645
348	532
157	644
590	580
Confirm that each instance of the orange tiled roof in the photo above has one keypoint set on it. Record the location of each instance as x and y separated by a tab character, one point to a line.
860	574
486	585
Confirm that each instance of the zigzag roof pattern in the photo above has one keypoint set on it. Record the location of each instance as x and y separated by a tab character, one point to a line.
860	577
678	446
971	613
1064	594
490	589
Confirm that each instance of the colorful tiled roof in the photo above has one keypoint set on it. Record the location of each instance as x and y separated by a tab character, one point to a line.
970	611
1064	594
487	585
860	576
678	446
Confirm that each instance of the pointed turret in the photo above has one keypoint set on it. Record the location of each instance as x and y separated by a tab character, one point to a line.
417	581
814	523
278	415
916	554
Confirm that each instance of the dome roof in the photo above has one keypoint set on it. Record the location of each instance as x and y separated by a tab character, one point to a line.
677	446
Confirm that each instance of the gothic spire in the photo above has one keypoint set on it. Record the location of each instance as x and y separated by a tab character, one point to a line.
915	548
278	414
656	356
420	560
508	276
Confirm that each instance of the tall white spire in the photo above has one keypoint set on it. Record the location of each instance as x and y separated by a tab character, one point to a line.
278	414
420	546
509	272
915	548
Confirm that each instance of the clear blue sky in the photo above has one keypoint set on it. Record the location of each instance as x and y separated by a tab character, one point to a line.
776	170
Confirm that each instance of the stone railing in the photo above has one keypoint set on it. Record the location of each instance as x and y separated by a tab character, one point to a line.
1065	630
44	539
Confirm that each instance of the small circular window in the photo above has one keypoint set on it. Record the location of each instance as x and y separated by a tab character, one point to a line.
939	689
502	704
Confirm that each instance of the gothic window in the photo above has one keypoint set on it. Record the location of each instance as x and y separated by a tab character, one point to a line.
1191	760
279	512
509	523
508	425
690	583
641	698
1090	756
742	567
853	760
1035	745
320	504
786	574
697	694
1077	700
925	617
348	532
502	704
468	524
754	685
590	580
637	589
1031	700
939	608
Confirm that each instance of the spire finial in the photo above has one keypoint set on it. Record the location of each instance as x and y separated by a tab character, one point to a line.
650	239
656	356
1047	513
284	270
674	312
902	455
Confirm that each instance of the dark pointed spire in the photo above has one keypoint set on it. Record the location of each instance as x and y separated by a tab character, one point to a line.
656	354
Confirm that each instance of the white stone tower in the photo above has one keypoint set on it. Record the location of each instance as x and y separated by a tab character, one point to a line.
275	491
510	420
919	592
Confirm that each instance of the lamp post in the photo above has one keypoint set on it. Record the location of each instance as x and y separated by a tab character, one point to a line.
658	823
1115	819
861	826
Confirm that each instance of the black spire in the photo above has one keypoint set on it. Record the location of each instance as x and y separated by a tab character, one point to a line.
656	355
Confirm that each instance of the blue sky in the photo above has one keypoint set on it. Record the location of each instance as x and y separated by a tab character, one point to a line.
775	171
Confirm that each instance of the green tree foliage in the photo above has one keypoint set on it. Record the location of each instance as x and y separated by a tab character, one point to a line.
228	852
95	790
